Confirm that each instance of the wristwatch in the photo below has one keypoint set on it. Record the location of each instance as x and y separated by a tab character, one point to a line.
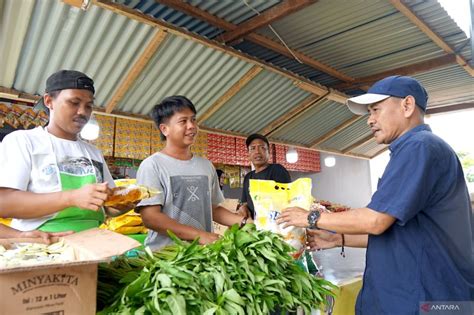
313	218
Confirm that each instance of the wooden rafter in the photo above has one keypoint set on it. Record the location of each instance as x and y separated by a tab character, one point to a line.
331	151
385	148
258	39
297	111
136	69
337	97
281	49
246	78
149	20
359	143
401	6
269	16
336	152
313	88
449	108
334	131
412	69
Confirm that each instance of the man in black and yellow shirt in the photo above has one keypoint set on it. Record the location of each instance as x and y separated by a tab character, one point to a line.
259	154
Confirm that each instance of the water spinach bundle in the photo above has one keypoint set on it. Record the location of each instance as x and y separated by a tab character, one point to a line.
244	272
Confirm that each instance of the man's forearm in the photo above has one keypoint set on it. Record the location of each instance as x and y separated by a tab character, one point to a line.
161	223
356	221
26	205
8	232
225	217
351	240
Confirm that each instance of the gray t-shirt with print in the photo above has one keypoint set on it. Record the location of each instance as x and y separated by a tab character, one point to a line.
190	189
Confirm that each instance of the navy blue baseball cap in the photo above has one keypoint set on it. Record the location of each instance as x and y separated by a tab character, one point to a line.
397	85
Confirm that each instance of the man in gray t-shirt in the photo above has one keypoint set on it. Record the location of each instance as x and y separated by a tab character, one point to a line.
190	189
191	194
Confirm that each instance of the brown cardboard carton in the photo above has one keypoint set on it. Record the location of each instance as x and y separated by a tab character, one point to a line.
229	204
61	288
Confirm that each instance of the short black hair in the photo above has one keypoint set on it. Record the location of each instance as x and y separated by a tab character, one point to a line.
256	136
169	106
41	106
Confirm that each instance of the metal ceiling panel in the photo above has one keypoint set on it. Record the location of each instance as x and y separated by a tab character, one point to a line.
234	12
183	67
165	13
314	123
350	135
14	16
98	42
369	149
284	62
441	23
449	85
358	38
267	97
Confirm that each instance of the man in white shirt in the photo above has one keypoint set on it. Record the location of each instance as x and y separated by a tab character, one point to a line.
51	179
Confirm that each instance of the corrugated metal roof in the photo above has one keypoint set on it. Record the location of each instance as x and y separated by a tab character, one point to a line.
234	12
98	42
286	63
376	31
268	97
183	67
441	23
371	148
15	16
448	85
165	13
358	38
314	123
343	139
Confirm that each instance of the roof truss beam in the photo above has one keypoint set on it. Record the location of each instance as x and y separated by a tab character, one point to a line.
449	108
359	143
246	78
334	131
258	39
297	111
267	17
401	6
149	20
137	68
412	69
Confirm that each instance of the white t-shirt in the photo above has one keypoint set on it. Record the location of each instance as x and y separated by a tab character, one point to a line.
36	161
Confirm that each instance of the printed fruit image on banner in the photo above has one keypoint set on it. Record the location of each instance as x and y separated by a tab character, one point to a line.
270	198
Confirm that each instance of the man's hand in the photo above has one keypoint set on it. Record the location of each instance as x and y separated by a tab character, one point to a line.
43	235
91	196
120	209
244	211
293	216
207	238
322	239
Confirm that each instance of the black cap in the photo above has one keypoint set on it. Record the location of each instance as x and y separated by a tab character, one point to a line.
256	136
69	79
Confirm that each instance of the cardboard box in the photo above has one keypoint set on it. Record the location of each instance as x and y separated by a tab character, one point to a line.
61	288
229	204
